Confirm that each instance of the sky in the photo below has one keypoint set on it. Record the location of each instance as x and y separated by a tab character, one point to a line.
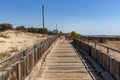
87	17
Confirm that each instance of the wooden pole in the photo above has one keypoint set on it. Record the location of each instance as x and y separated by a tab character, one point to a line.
56	29
43	20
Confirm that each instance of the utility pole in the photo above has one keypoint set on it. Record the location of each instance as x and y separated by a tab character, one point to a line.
43	20
56	29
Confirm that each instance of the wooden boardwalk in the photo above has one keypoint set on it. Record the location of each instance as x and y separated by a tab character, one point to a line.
64	63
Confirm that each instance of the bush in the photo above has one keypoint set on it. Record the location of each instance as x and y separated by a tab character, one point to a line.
37	30
74	34
5	26
21	28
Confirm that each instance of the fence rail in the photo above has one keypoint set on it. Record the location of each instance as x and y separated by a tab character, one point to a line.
18	66
98	44
108	62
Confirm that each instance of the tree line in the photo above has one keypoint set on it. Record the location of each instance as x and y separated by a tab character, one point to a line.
8	26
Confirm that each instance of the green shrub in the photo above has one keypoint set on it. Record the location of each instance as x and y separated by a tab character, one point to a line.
74	34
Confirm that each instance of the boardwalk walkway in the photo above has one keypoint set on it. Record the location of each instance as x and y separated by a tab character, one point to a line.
64	63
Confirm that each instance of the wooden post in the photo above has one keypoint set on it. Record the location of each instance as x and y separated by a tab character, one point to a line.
107	50
117	70
43	20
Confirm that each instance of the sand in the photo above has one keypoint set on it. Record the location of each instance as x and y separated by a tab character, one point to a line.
114	44
16	40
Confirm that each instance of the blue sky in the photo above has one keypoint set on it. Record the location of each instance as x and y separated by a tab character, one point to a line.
88	17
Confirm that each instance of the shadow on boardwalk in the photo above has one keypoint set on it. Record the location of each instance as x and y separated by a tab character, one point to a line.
65	62
88	66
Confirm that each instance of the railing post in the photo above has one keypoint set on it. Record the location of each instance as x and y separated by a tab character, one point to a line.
95	44
107	50
25	60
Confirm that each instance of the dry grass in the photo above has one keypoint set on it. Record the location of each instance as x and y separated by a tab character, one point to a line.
2	41
13	49
4	36
4	55
113	44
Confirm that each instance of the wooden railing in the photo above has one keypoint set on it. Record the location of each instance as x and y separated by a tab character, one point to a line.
110	63
18	66
95	44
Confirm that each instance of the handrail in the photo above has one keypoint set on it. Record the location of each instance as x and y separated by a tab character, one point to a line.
108	62
17	53
20	54
95	44
108	47
19	65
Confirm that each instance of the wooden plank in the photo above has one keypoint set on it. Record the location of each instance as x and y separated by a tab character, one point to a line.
62	65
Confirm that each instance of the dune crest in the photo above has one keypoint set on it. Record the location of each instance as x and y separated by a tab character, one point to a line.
12	41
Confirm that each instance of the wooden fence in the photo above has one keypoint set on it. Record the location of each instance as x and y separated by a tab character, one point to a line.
18	66
103	38
108	62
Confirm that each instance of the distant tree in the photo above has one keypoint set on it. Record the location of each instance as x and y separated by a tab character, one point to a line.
78	36
33	30
21	28
41	30
45	30
55	31
5	26
37	30
61	32
29	29
74	34
50	32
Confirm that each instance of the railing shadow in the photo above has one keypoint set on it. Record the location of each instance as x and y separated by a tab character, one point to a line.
93	73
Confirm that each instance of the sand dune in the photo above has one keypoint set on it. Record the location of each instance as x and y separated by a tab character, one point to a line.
12	41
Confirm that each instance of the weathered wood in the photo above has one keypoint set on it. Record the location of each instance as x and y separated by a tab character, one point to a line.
94	53
107	76
14	71
105	61
28	64
117	67
20	70
64	63
18	66
4	75
109	63
101	58
39	64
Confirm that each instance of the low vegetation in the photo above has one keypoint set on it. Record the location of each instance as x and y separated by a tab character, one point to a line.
3	55
74	34
5	26
8	26
4	36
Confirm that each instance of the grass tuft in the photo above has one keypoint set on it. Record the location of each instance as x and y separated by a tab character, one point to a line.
4	36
